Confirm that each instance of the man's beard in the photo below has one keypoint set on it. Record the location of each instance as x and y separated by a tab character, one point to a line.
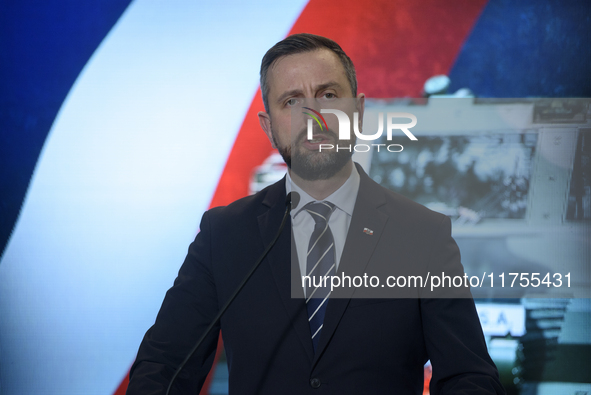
314	166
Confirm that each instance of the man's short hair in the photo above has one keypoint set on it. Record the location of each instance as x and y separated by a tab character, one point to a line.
300	43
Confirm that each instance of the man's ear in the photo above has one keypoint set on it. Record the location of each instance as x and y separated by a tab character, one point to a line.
361	108
265	121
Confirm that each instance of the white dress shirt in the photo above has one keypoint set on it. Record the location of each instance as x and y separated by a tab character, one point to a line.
302	222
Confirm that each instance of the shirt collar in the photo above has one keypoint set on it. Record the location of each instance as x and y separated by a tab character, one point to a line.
343	198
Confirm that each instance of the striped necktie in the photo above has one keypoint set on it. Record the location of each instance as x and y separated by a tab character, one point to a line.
320	262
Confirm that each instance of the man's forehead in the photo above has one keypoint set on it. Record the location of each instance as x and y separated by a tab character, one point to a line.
308	69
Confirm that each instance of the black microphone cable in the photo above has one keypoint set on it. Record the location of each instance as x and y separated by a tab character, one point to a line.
291	201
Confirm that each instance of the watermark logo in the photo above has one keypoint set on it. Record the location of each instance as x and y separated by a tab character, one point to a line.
318	115
391	120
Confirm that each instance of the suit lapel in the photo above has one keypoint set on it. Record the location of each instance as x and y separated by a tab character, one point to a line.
285	274
358	249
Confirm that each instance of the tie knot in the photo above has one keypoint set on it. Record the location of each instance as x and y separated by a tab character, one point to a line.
320	211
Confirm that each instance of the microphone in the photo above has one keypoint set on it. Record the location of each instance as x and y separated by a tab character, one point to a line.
291	201
294	198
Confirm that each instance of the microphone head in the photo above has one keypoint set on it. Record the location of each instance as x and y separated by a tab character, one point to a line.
293	198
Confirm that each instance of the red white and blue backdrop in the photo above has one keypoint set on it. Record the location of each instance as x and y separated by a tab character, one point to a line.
122	122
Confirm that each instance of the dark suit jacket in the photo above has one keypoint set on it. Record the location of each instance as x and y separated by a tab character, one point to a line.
367	346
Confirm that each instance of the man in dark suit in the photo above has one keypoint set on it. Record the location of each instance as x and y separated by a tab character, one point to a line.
344	343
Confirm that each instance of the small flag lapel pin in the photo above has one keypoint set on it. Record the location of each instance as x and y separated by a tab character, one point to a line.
368	231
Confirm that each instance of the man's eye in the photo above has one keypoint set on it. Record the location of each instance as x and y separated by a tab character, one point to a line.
330	95
292	102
